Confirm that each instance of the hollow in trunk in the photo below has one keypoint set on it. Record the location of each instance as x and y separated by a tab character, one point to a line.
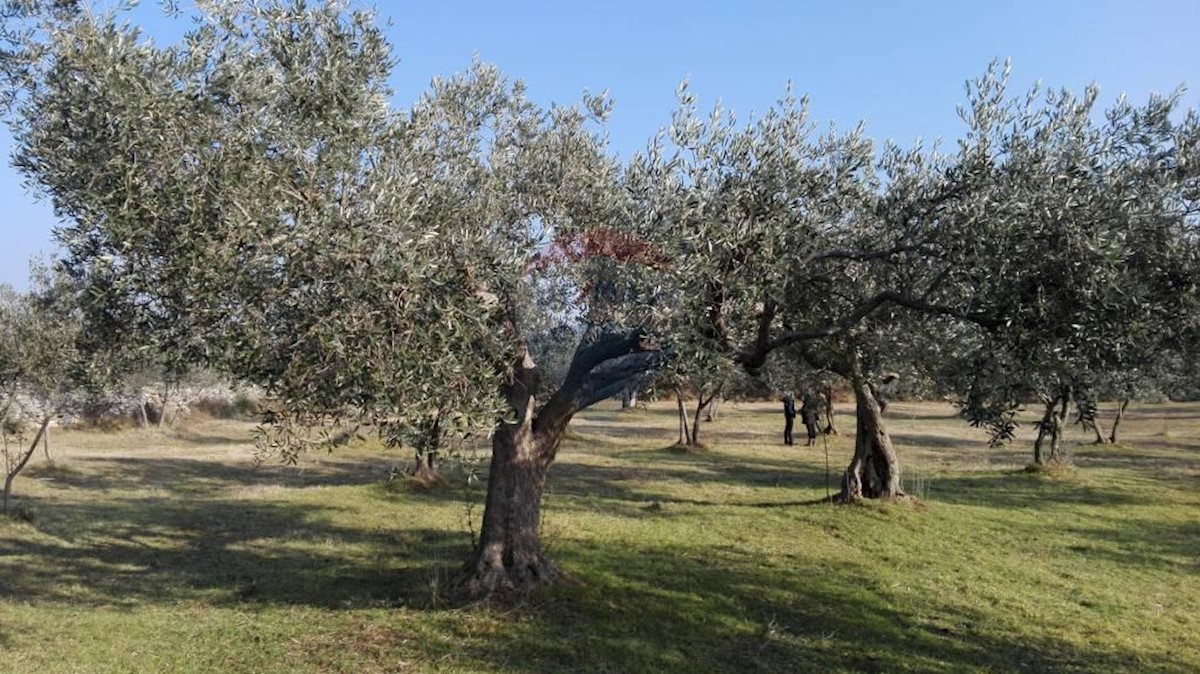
874	471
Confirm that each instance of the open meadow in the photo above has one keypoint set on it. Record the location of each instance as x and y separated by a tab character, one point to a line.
171	552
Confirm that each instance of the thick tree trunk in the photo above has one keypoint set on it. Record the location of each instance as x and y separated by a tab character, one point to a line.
874	472
1112	437
830	428
15	469
508	562
143	417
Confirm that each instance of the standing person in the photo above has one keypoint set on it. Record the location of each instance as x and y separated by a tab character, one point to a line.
810	417
789	417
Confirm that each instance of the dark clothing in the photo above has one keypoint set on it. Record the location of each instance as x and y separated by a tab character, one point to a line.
789	417
809	415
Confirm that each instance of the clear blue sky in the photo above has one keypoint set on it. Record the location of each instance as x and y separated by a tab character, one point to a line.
899	66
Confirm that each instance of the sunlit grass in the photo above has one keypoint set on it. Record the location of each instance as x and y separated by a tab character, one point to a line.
151	552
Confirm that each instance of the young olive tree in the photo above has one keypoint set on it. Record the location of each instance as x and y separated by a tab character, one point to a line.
37	360
248	199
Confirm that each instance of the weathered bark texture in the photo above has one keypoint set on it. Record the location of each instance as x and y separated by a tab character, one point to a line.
508	562
15	469
874	472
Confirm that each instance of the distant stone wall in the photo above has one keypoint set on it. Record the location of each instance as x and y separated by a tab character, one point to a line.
111	409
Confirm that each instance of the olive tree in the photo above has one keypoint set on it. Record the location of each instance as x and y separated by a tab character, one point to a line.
1078	248
37	362
780	236
249	199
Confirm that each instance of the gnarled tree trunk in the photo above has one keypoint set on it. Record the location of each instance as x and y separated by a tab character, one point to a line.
874	472
508	561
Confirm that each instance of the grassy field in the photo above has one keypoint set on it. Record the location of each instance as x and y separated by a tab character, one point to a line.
149	552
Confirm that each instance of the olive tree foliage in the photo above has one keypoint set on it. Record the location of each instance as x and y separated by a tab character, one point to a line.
1079	247
247	199
781	235
1019	240
38	366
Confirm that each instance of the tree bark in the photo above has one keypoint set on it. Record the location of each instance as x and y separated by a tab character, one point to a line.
830	428
1060	424
508	562
1100	439
1044	427
702	403
1112	437
15	470
874	472
685	429
1051	427
425	472
46	443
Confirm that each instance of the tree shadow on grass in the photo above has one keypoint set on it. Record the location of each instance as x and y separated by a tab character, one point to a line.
634	488
133	551
187	476
1148	544
1022	489
645	608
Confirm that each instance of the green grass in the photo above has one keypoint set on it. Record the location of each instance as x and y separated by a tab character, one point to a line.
152	552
